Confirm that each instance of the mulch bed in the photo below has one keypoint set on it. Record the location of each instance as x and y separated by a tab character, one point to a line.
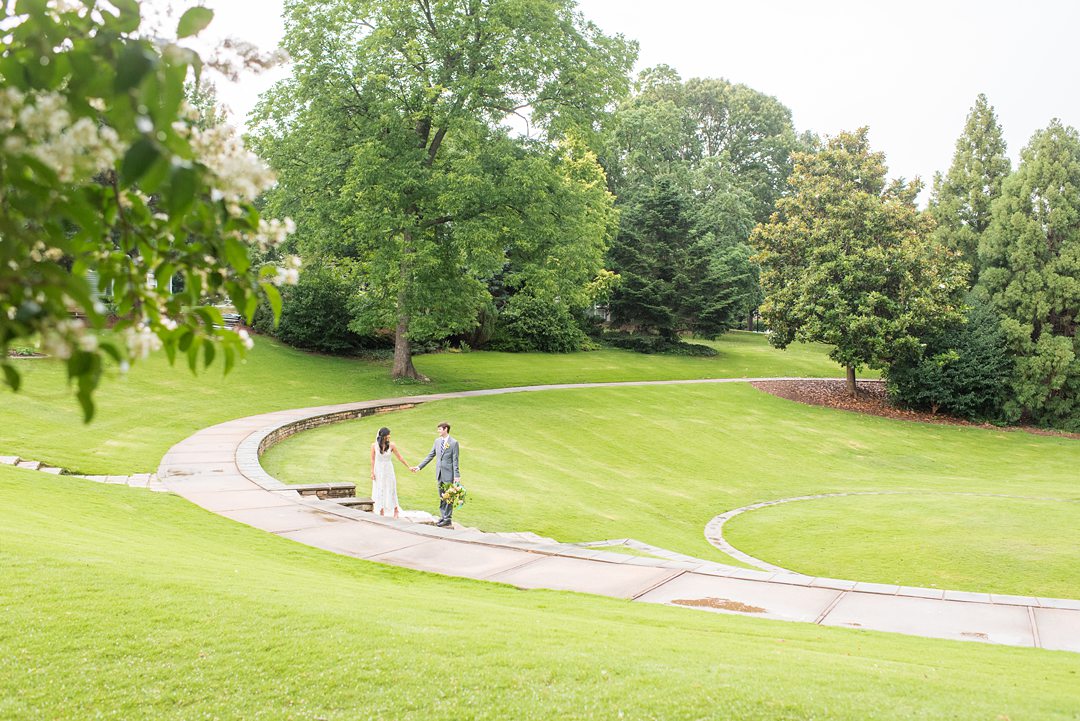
873	400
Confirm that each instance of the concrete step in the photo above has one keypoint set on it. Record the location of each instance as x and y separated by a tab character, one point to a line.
363	504
9	460
29	465
53	470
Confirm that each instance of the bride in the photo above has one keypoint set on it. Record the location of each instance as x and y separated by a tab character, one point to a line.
383	480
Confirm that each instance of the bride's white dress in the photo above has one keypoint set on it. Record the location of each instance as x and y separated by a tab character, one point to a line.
384	487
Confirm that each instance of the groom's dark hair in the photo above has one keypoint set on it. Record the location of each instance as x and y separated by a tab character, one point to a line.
445	425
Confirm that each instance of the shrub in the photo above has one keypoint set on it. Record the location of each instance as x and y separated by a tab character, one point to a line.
314	312
964	371
528	323
656	344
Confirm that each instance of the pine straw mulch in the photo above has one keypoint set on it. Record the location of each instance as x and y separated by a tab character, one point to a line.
872	399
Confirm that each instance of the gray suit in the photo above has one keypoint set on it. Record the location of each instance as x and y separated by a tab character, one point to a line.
446	469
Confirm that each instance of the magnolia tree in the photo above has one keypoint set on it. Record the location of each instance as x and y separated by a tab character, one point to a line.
106	170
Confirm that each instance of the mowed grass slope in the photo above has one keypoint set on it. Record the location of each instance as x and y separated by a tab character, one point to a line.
1004	545
143	413
134	605
657	463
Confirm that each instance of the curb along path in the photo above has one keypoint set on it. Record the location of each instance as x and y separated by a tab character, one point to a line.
218	468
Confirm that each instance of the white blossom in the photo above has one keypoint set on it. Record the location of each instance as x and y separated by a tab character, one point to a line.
289	274
142	341
40	125
273	232
88	342
239	173
246	338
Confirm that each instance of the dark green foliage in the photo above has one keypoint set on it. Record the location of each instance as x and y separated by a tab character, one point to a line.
725	287
963	371
315	312
653	344
650	256
962	198
481	335
528	323
1030	264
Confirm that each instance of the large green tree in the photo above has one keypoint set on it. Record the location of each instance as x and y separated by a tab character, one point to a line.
848	260
1030	260
728	148
962	198
105	172
392	145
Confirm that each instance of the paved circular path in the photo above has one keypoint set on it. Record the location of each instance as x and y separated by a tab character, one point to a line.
218	469
714	529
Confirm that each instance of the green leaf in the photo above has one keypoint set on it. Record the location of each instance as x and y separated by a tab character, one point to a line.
230	359
181	190
274	297
137	161
193	355
194	21
208	354
11	376
170	351
186	339
237	255
129	15
134	63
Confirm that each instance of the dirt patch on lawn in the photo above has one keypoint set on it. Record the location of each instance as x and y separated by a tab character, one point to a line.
872	399
721	603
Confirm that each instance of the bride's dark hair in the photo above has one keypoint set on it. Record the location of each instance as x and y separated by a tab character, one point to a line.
381	440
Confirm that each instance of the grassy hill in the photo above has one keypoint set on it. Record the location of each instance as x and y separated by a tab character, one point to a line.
124	604
143	413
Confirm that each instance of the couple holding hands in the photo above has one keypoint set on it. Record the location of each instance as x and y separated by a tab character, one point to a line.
384	483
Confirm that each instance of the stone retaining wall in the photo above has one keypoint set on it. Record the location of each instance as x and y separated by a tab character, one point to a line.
306	424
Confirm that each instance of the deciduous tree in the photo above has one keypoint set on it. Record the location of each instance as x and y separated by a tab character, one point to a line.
391	143
848	260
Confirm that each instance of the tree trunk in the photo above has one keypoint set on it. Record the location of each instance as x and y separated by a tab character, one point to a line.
853	391
750	321
403	365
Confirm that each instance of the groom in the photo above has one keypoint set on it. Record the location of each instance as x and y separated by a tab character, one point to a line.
445	453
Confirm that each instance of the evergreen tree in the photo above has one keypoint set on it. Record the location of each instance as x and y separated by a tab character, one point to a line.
848	261
651	257
1030	259
962	198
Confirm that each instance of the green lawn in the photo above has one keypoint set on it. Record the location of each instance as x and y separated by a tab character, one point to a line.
134	605
992	544
145	412
656	463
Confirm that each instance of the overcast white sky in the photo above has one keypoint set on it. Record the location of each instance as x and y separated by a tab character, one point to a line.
908	70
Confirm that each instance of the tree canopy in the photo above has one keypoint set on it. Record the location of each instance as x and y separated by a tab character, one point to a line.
848	260
104	169
1030	259
962	198
392	146
723	151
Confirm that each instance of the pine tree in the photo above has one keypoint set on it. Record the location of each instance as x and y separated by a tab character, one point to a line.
962	198
1030	259
649	255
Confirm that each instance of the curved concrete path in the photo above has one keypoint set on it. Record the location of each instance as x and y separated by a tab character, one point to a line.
218	469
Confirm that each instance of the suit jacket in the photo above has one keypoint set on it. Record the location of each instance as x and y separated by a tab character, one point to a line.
446	461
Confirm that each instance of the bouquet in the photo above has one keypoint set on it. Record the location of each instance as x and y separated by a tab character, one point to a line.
454	494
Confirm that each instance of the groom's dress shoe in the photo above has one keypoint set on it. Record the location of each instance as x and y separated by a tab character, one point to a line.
443	523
